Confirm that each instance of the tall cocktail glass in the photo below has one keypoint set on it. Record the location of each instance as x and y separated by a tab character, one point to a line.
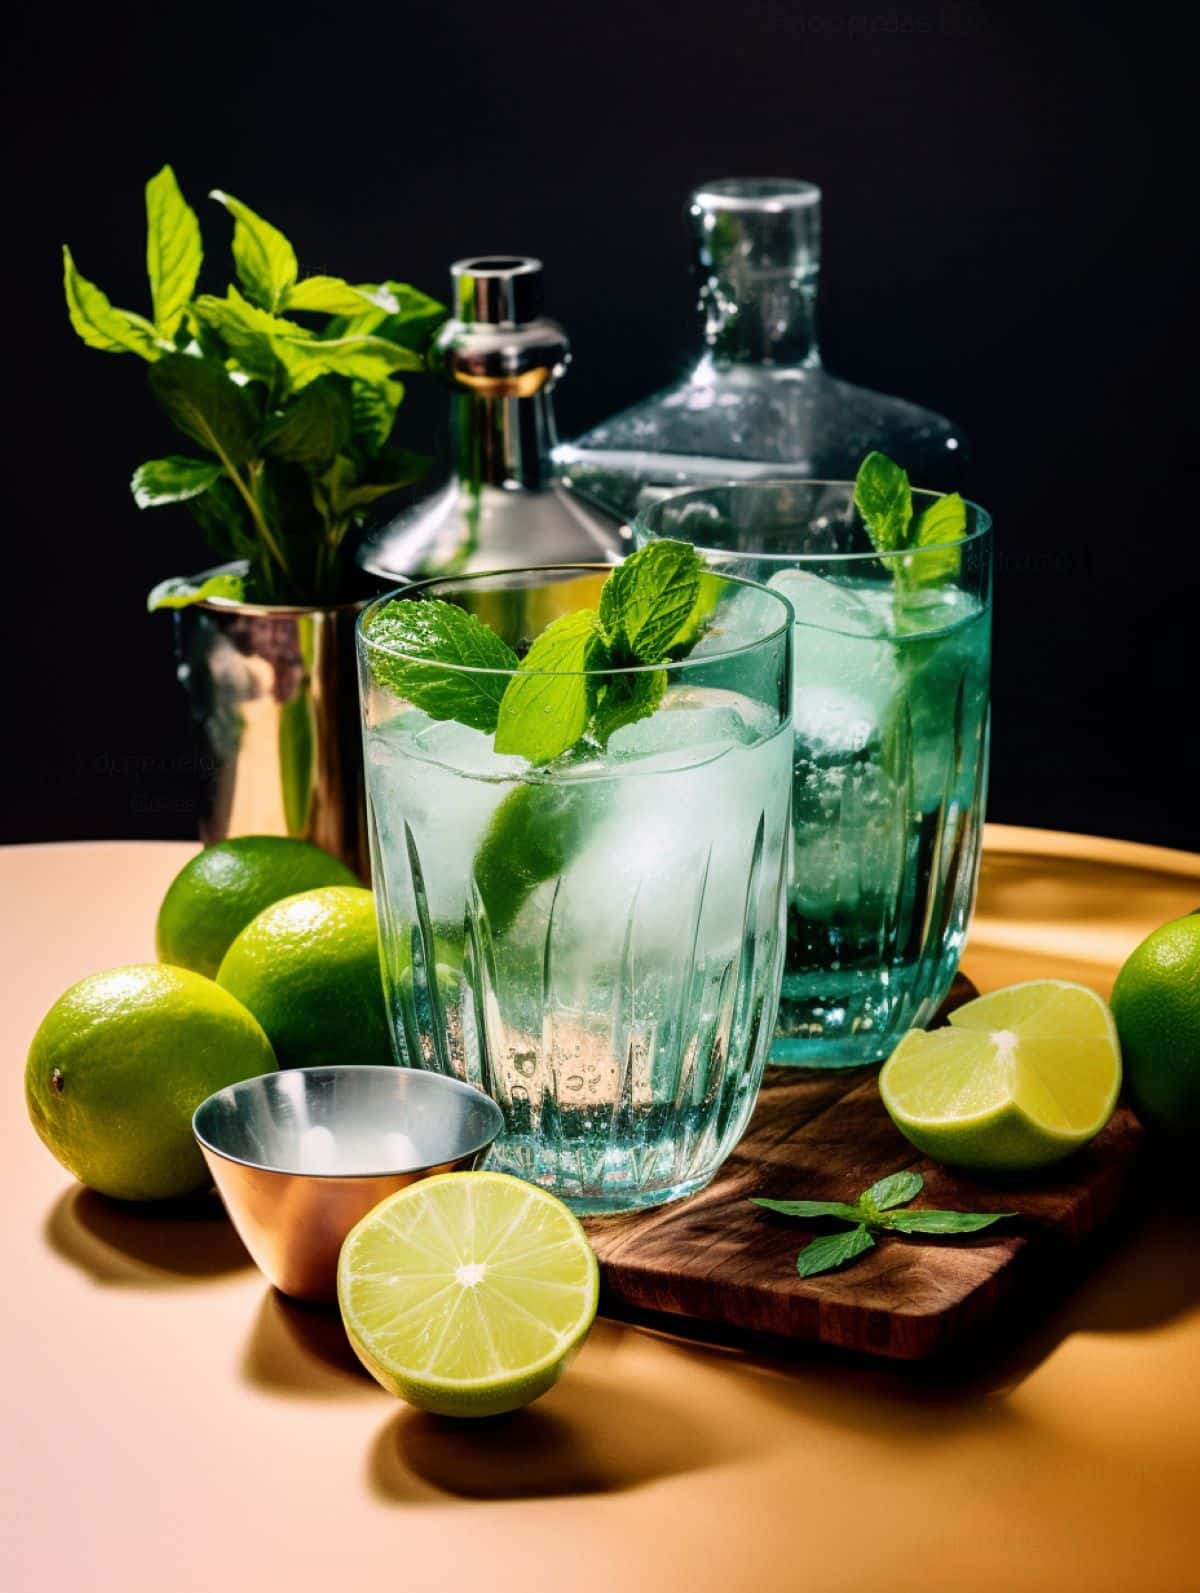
596	942
891	668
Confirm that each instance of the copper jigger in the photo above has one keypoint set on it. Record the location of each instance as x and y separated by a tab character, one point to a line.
299	1156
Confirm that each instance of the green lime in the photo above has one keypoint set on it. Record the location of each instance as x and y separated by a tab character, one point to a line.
216	894
468	1294
120	1063
534	833
1020	1078
1156	1002
308	969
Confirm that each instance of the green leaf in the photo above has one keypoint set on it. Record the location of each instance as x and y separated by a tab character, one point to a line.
373	407
436	656
172	480
102	326
945	1221
340	493
265	260
647	601
811	1208
181	592
548	701
626	698
174	252
221	515
370	359
894	1190
835	1250
313	426
329	296
403	314
258	341
943	521
884	499
206	404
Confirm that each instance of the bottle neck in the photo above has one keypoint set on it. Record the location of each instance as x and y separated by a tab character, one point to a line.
505	439
757	250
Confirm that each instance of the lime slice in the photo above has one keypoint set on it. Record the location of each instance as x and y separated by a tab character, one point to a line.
1020	1078
468	1294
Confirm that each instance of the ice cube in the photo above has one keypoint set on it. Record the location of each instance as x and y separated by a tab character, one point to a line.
827	605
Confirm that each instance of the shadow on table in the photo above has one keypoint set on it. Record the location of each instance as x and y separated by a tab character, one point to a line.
144	1245
588	1436
300	1351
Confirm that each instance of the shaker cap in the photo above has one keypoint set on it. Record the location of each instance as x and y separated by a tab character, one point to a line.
497	289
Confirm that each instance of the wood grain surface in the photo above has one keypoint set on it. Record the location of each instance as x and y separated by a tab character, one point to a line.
716	1258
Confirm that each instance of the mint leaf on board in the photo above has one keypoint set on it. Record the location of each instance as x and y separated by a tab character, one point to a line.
883	497
443	647
897	1189
264	259
945	1221
811	1208
181	592
174	252
835	1250
206	404
548	701
646	601
100	324
172	480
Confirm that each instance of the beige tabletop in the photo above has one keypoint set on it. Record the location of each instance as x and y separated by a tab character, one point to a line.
172	1424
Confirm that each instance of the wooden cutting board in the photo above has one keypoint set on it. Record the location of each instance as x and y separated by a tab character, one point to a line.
718	1259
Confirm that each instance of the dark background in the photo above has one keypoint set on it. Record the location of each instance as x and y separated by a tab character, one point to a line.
1007	209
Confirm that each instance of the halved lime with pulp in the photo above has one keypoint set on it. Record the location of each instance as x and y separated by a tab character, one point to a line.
1020	1078
468	1294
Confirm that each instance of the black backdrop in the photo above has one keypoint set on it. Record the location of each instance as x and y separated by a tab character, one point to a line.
1006	213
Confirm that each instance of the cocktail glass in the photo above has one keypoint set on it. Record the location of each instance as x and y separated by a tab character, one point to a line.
891	733
596	942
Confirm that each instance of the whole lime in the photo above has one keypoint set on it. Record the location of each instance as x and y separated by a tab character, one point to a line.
1156	1002
216	894
308	969
120	1063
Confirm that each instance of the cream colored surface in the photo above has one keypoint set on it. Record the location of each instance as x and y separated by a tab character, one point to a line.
171	1423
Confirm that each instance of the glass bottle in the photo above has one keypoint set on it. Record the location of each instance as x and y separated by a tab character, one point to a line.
759	403
504	506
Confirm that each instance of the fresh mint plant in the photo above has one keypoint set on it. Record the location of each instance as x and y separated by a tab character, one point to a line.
585	676
293	419
883	497
874	1212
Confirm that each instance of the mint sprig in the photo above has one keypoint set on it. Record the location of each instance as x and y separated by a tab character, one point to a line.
883	497
586	676
874	1212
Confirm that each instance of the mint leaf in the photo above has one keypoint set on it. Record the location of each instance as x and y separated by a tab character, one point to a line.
897	1189
883	497
548	701
99	324
373	407
181	591
944	520
339	489
174	252
221	515
206	404
626	698
370	359
646	602
329	295
313	426
172	480
443	646
812	1208
265	260
823	1255
259	341
945	1221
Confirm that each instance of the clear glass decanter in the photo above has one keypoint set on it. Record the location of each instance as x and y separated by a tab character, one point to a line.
759	403
504	506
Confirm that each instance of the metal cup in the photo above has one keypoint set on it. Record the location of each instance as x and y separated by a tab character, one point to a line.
300	1155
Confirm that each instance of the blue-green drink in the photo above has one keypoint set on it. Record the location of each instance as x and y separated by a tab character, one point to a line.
596	941
890	704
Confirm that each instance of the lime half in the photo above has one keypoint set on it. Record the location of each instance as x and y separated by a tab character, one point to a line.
468	1294
1020	1078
